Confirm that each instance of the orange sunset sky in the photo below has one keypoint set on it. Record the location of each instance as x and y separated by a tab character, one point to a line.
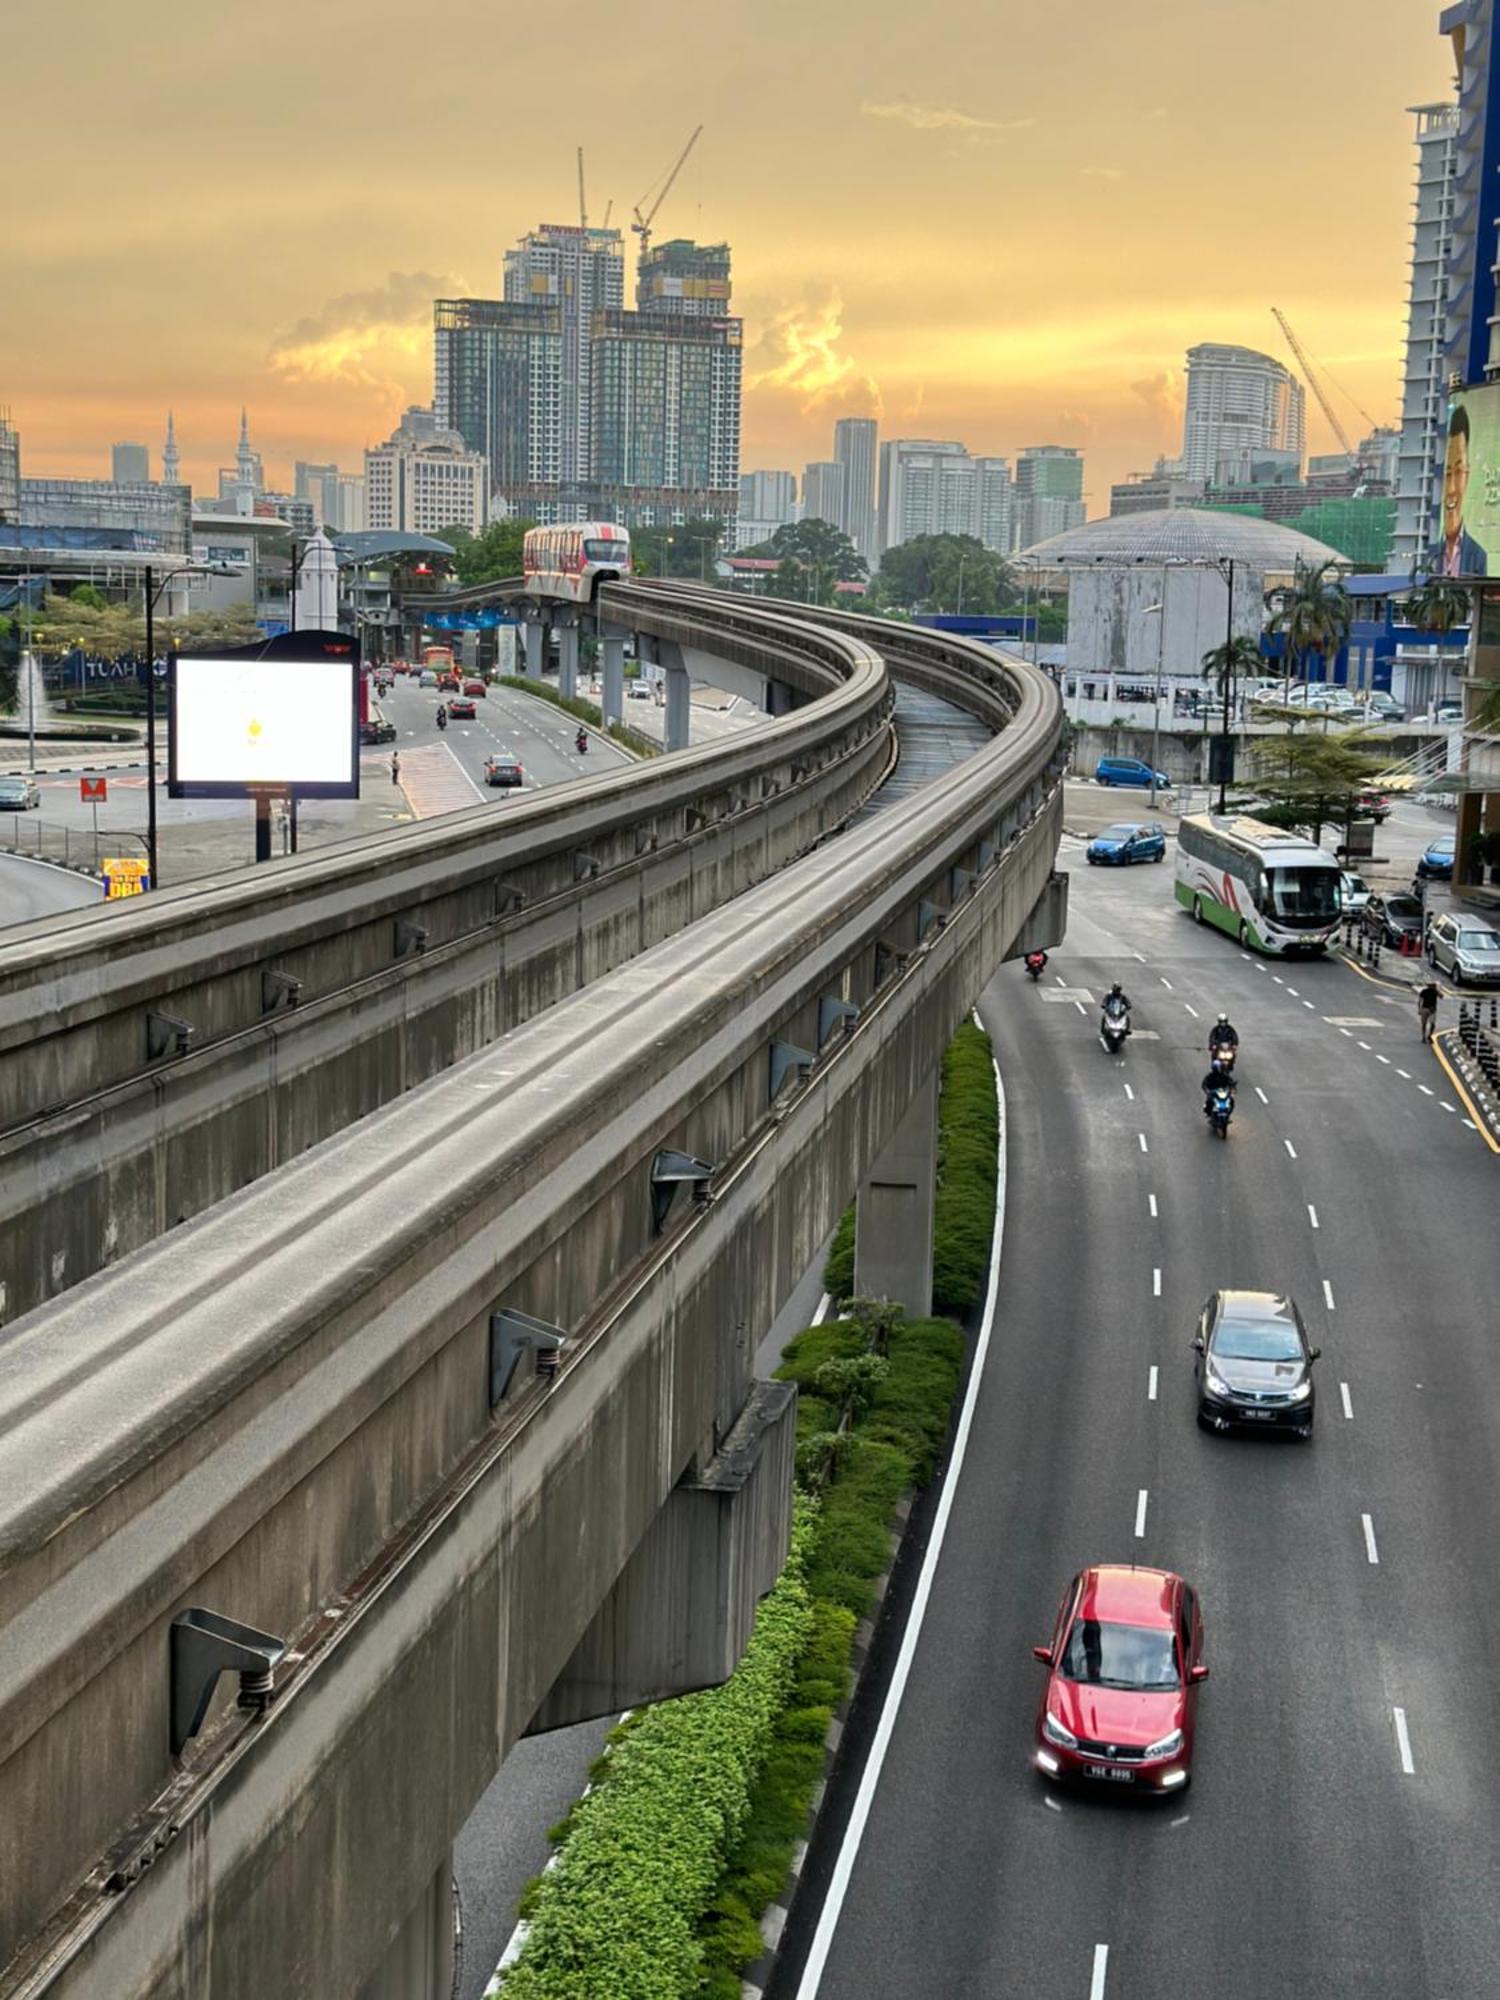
994	220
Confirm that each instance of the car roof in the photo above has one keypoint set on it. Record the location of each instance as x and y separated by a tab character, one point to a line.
1119	826
1120	1594
1243	1306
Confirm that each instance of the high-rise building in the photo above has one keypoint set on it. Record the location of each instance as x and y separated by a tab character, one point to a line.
1238	398
666	414
581	272
351	504
854	447
823	491
768	496
318	484
424	478
684	277
130	464
926	488
1048	493
498	382
170	460
1424	392
10	469
993	510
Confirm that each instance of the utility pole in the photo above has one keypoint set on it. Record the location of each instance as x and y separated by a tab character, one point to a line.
151	725
1226	688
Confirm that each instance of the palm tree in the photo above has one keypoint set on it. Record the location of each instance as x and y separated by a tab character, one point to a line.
1438	605
1312	612
1237	659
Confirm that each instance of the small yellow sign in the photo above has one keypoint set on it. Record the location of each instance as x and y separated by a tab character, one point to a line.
126	875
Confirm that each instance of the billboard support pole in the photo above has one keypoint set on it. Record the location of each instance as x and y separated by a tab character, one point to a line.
262	826
151	724
292	814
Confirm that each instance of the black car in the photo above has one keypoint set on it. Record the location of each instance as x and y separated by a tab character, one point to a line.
1391	918
1254	1364
377	730
503	770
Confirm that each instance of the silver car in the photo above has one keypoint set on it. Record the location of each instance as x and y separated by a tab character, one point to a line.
18	795
1467	949
1356	891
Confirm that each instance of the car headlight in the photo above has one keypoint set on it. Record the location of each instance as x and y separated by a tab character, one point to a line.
1214	1379
1057	1732
1301	1393
1165	1746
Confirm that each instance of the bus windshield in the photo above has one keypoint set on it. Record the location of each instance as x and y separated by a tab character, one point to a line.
1302	895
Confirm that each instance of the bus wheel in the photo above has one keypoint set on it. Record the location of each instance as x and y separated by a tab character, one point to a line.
1197	909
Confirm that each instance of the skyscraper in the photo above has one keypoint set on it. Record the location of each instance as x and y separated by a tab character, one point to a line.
823	491
1424	385
666	413
130	464
854	446
1048	493
579	272
684	277
423	479
768	496
499	383
1238	400
993	497
10	469
932	488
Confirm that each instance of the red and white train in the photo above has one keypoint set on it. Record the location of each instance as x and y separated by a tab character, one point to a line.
573	560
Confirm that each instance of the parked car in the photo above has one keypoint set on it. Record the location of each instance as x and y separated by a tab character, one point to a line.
18	795
1436	864
377	730
1391	918
1355	892
461	708
477	688
1127	771
1253	1362
1388	705
503	769
1125	1664
1128	842
1467	949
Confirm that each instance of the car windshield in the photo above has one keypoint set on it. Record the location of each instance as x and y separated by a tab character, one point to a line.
1257	1340
1302	895
1354	885
1478	941
1116	833
1403	906
1119	1656
1443	846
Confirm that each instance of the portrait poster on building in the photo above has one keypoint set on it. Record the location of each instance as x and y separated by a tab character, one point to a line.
1468	534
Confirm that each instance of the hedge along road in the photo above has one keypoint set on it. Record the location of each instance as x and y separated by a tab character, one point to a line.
1339	1836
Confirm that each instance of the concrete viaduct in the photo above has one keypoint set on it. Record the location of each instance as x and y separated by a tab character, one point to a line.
384	1389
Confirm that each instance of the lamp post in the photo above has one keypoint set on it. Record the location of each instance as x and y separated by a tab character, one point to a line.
1159	613
1226	570
962	559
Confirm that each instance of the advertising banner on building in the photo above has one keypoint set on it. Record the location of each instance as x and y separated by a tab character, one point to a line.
280	717
1468	542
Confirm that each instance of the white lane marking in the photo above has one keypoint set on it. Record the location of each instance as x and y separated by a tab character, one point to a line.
1447	1106
1471	1125
1101	1969
1328	1295
1151	1386
1369	1527
1142	1137
1366	1047
843	1871
1312	1215
1140	1513
1141	957
1403	1742
1307	1003
1349	1032
1152	1198
1291	1149
1278	978
1130	1093
1293	992
1426	1092
1344	1399
1168	984
1261	1095
1404	1072
1192	1010
1156	1281
1260	968
1080	1006
1245	956
1385	1059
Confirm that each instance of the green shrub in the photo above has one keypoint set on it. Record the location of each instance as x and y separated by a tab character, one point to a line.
584	711
838	1266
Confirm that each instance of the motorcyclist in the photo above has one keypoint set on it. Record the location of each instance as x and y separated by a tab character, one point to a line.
582	741
442	715
1116	999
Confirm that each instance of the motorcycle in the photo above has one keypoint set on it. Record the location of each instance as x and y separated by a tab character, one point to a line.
442	718
1218	1108
582	742
1114	1026
1036	963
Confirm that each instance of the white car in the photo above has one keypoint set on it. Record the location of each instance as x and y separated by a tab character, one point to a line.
1355	891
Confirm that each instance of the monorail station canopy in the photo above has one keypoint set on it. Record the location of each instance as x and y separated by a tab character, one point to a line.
1149	589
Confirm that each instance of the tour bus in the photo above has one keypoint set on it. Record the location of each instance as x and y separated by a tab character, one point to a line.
572	561
1271	890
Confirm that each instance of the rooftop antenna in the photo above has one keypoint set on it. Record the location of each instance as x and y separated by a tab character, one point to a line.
583	211
642	223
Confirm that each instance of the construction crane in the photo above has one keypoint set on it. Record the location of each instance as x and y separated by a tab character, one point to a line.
642	223
1317	387
583	210
609	209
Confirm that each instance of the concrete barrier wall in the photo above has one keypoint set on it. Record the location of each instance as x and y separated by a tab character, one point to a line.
280	1411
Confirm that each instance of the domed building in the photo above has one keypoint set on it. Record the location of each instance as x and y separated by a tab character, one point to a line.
1153	589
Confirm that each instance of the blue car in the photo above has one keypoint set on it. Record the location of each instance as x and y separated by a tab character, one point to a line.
1126	843
1436	864
1128	771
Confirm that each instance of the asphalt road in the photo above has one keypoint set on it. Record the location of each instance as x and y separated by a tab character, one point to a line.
30	889
1305	1858
526	727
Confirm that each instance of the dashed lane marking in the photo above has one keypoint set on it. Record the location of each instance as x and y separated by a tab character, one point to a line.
1151	1385
1328	1295
1140	1514
1370	1549
1344	1398
1403	1742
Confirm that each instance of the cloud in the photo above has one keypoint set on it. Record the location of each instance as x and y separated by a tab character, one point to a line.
361	337
1162	395
940	118
1102	173
797	353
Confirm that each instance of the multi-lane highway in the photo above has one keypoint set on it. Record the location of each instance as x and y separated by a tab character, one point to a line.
1339	1837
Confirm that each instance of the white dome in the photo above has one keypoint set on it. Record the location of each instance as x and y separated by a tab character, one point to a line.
1182	535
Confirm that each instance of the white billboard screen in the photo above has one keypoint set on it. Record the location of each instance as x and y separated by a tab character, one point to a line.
243	724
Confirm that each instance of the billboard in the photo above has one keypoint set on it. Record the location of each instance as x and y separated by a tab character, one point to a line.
278	717
1468	530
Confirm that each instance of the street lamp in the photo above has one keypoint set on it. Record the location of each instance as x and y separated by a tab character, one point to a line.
1159	612
1226	570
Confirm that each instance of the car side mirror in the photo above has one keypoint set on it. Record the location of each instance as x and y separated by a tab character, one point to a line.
1312	1354
1042	1653
1198	1673
1197	1343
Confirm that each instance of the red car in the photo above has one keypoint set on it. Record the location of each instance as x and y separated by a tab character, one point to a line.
462	709
475	688
1126	1659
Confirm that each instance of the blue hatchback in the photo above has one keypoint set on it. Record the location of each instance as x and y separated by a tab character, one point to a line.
1128	771
1128	842
1436	865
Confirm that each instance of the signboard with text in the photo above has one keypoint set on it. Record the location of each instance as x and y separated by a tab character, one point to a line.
125	875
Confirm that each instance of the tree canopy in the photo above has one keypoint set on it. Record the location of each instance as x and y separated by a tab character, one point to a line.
944	573
1312	613
689	550
1438	605
1313	780
486	557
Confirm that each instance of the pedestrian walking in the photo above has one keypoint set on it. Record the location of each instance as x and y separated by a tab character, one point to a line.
395	767
1427	1006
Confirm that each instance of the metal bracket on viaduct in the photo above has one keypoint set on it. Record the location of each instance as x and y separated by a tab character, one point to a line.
435	1422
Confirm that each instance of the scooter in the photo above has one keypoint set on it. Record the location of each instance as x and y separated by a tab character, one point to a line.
442	718
1218	1108
1221	1057
581	741
1114	1026
1036	963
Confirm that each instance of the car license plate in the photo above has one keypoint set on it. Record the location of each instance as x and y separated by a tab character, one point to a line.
1117	1772
1257	1416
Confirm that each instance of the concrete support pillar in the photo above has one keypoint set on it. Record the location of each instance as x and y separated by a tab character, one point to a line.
418	1964
893	1221
677	720
567	659
612	690
682	1609
535	661
780	698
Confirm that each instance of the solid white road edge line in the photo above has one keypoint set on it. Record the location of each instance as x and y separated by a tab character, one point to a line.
1403	1742
1369	1528
1344	1399
1140	1514
1101	1969
843	1869
1151	1385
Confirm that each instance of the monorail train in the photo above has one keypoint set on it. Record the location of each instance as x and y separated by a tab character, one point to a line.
572	561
